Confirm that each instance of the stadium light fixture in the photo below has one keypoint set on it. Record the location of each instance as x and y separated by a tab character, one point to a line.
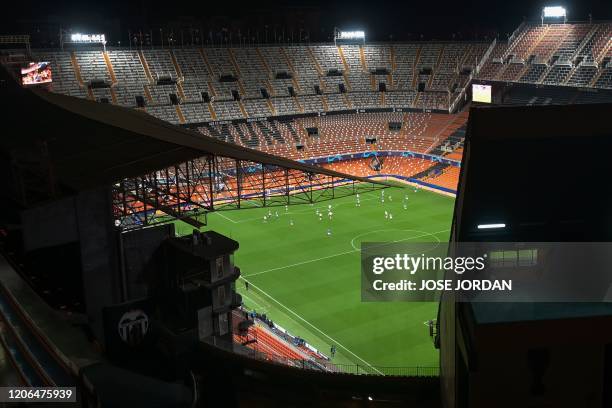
491	226
88	38
351	35
79	38
554	13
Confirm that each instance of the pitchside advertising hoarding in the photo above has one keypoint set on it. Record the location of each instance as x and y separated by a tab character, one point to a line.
481	93
487	271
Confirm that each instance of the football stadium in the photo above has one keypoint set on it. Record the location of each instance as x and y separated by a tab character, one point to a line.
275	207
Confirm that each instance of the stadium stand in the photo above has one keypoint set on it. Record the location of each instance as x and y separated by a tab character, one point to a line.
494	63
299	79
403	166
553	95
200	86
270	344
265	81
448	177
554	54
456	155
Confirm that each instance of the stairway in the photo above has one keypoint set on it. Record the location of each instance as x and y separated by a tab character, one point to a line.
254	141
145	66
263	62
315	62
294	134
437	168
267	134
416	100
363	59
227	134
343	59
298	104
347	101
213	131
415	71
243	138
109	66
179	90
179	113
455	139
77	69
213	114
211	89
206	62
233	61
276	134
270	88
147	93
242	109
113	96
435	68
271	106
324	103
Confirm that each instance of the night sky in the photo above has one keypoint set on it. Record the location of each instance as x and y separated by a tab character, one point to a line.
381	19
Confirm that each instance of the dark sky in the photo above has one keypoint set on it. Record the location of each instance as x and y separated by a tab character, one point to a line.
379	18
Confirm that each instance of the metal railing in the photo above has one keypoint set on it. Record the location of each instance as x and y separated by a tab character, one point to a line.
515	33
312	363
476	70
389	371
331	368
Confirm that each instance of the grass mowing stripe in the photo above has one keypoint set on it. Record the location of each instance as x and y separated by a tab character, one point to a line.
425	234
326	293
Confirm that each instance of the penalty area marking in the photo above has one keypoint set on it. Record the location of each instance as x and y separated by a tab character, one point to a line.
311	325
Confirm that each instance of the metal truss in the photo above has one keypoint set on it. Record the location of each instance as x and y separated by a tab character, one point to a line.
190	190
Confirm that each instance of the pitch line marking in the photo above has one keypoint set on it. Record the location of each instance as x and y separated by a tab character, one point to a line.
300	263
226	217
338	254
311	325
423	234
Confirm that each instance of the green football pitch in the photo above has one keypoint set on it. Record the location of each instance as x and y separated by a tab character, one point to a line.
309	282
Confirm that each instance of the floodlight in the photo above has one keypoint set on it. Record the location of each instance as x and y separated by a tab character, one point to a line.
351	35
491	226
554	12
88	38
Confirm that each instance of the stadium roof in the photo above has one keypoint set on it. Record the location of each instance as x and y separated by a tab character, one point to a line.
91	144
